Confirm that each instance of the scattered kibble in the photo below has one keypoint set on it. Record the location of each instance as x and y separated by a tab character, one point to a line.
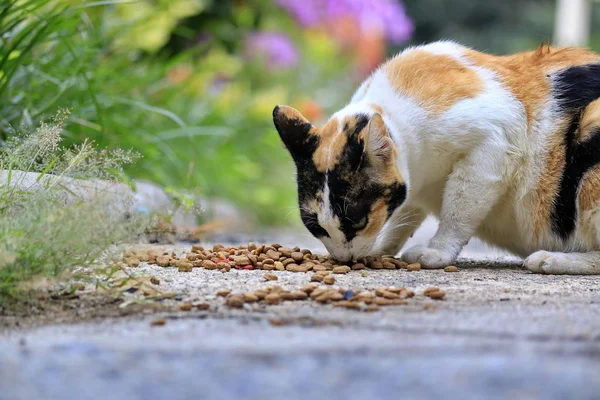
271	277
329	280
413	267
451	268
158	322
235	301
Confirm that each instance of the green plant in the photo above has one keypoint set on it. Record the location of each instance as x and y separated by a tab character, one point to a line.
51	222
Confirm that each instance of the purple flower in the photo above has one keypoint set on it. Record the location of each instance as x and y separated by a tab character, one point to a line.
275	48
387	16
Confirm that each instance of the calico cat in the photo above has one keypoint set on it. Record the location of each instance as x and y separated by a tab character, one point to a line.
504	148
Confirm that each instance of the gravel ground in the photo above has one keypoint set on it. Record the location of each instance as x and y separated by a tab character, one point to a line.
501	332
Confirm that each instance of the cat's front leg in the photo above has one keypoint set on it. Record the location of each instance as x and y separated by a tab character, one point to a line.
398	230
471	191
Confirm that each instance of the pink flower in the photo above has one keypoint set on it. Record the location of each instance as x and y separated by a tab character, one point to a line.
276	49
385	16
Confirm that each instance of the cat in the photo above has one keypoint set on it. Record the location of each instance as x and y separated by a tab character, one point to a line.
503	148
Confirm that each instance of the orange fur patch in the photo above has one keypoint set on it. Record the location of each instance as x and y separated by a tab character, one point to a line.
437	82
590	120
589	192
548	185
330	147
524	74
377	218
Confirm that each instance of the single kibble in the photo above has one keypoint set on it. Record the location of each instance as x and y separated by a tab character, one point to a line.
430	290
218	247
329	280
372	308
272	298
297	256
389	302
297	268
251	246
186	307
241	260
260	249
287	252
439	295
320	267
279	266
261	294
253	259
390	295
273	255
223	292
276	245
309	287
376	265
451	268
317	292
287	261
277	322
323	273
271	277
406	293
388	265
192	257
197	248
413	267
208	264
344	269
286	296
358	266
235	301
348	304
299	295
203	306
250	298
225	267
154	280
158	322
132	261
336	296
316	278
163	261
185	267
266	267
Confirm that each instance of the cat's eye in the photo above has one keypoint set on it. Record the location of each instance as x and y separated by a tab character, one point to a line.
360	224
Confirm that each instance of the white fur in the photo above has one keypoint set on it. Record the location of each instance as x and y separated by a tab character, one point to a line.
474	166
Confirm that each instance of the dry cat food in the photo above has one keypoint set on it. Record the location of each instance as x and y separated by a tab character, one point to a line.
451	268
363	300
273	257
434	293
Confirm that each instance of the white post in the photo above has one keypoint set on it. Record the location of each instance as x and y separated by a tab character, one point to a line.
572	22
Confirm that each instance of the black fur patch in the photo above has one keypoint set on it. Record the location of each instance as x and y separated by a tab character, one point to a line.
352	191
575	88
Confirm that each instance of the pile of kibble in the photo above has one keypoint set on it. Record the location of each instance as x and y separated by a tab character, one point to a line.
264	257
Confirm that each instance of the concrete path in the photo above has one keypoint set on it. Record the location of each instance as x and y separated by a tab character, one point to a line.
501	333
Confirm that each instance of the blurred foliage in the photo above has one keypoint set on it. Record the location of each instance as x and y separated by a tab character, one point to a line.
172	80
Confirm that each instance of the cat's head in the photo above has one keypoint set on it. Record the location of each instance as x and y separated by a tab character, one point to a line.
348	181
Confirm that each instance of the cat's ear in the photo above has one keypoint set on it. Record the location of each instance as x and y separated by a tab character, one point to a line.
378	143
293	129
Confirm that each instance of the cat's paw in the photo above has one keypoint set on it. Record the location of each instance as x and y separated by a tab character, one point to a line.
427	257
546	262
